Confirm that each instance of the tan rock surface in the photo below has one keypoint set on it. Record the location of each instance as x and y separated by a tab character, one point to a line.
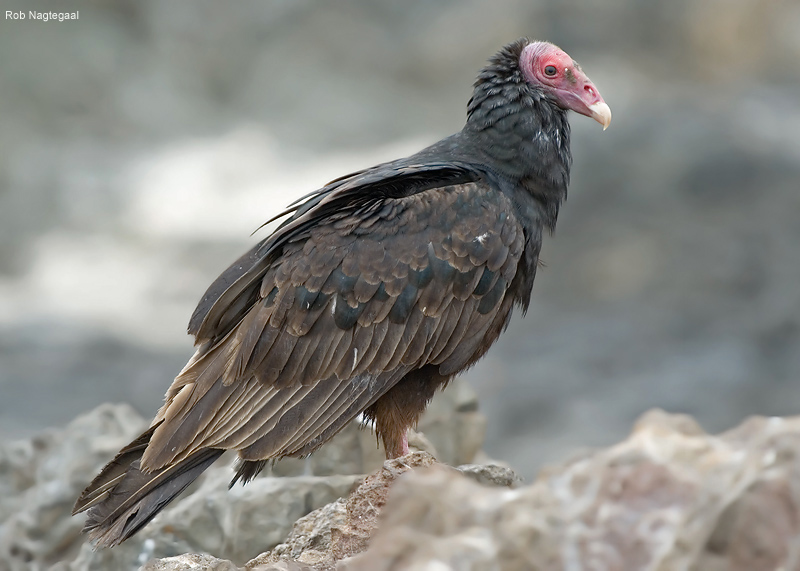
41	477
668	498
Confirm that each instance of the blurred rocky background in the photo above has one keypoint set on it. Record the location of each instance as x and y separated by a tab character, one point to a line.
669	497
40	478
142	144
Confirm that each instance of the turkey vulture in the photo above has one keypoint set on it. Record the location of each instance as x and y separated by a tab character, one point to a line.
375	290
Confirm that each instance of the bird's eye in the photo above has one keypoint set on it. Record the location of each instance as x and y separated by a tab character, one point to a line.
550	70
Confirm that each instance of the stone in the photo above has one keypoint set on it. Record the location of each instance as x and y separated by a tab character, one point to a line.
492	475
235	524
41	477
310	539
192	561
669	497
343	528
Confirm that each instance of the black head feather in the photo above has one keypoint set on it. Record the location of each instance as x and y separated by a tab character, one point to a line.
522	133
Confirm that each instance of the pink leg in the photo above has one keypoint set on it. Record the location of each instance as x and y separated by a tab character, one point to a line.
404	443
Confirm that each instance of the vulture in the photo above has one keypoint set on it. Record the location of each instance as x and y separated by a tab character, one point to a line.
373	292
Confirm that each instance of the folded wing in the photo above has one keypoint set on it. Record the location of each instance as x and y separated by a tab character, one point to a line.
337	314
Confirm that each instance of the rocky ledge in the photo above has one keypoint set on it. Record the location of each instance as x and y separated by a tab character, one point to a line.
669	497
41	477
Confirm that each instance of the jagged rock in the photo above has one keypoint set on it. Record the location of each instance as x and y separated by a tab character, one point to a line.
343	528
41	477
492	475
366	504
189	561
235	524
39	480
340	529
310	539
195	562
670	497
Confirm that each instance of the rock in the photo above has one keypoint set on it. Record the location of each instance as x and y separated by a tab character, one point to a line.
343	528
491	475
367	502
193	562
669	497
310	539
190	561
41	477
235	524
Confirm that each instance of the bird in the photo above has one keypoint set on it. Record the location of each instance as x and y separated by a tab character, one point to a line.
373	292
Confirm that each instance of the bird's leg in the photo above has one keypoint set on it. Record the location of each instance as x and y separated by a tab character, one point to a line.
391	425
400	408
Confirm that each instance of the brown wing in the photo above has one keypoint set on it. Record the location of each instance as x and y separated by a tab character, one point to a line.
343	313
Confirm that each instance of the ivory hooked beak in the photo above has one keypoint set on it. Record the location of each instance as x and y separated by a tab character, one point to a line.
601	113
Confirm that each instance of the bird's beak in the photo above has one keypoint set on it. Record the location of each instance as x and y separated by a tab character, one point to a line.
582	97
601	113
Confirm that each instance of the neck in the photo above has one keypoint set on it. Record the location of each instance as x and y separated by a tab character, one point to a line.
520	135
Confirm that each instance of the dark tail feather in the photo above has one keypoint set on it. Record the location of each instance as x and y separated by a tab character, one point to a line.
246	470
122	498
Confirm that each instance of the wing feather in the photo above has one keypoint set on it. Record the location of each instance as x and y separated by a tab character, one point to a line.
369	388
331	407
457	334
262	421
293	369
369	351
295	416
325	352
343	310
447	323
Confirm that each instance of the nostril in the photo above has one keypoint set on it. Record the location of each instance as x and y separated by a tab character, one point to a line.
591	93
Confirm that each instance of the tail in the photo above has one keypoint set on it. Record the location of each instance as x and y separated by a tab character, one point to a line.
123	498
